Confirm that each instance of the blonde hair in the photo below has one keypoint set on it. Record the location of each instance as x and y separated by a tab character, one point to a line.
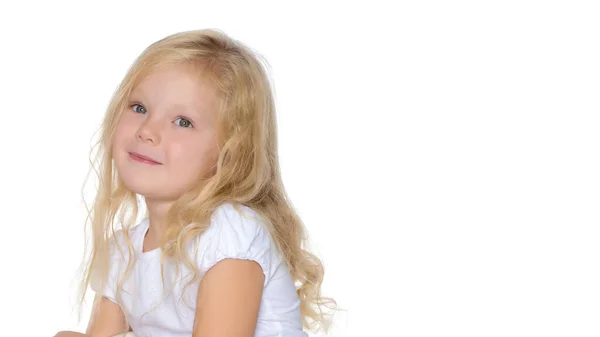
246	172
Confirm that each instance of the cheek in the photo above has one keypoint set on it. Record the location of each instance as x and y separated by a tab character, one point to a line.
192	157
124	130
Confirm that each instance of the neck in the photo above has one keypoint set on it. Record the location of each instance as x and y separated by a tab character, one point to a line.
157	213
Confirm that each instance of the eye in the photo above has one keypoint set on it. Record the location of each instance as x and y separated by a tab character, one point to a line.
183	122
139	109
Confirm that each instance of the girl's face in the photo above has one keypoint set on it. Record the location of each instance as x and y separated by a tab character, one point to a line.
166	139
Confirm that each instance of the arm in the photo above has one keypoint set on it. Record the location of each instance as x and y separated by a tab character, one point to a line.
229	299
107	319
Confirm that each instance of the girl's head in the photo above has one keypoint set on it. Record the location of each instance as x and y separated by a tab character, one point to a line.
190	101
193	123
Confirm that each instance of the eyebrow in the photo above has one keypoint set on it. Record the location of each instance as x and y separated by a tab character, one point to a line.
136	96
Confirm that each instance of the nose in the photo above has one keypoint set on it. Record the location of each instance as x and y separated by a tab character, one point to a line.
149	133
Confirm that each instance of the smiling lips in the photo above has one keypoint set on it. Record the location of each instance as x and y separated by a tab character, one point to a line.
143	159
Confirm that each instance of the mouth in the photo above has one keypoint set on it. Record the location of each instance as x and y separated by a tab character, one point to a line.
143	159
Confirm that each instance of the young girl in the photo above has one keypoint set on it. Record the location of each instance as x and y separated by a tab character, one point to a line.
192	130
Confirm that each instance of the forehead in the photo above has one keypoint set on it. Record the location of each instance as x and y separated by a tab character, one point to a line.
176	86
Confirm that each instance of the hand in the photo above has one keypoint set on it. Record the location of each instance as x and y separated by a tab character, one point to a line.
69	334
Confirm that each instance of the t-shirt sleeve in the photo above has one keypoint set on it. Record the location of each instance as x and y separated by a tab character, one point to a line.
114	263
235	233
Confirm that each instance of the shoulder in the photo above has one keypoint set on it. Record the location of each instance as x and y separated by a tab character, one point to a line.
118	255
237	227
230	218
121	237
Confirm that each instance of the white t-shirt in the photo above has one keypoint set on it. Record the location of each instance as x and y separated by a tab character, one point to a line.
231	235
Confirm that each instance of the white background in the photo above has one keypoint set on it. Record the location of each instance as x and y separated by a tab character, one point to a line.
443	155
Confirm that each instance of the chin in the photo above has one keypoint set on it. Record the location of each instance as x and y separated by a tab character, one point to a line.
150	187
138	185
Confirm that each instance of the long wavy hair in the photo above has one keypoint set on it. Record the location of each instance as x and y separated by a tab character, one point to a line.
246	172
